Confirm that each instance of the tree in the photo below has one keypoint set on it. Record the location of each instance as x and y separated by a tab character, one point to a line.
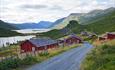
71	25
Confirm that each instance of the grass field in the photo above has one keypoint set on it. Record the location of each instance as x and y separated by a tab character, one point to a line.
101	57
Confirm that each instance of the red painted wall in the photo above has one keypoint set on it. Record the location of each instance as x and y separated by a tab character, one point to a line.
27	47
110	36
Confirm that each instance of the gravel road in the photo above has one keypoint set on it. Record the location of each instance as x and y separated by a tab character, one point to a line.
69	60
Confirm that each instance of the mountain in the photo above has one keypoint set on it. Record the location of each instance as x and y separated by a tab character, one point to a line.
6	29
85	18
95	15
98	26
73	16
40	25
5	25
57	22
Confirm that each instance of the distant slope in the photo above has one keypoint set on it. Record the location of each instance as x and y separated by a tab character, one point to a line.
40	25
57	22
8	33
95	15
85	18
65	22
5	25
102	25
6	29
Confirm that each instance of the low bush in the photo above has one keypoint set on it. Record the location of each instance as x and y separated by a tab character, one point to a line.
11	63
29	60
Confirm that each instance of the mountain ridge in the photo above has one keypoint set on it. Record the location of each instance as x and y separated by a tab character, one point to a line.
39	25
85	18
102	25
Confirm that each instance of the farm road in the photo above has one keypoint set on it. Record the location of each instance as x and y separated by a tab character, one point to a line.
69	60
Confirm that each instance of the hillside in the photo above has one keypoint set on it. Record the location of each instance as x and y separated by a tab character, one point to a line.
5	25
95	15
65	22
8	33
57	22
6	30
85	18
100	26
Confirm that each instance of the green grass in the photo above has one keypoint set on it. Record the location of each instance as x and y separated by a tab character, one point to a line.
9	50
101	58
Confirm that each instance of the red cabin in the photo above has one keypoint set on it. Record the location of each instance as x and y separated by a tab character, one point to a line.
72	39
111	36
33	45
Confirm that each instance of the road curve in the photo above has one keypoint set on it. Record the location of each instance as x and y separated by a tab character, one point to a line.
69	60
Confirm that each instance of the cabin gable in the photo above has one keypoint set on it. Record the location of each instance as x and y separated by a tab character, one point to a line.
27	46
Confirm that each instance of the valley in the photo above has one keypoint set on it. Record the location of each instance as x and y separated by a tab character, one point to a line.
68	43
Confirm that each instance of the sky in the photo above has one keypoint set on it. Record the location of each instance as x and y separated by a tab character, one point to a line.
23	11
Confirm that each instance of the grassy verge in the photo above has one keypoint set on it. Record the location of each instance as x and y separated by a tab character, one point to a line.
21	64
9	50
101	57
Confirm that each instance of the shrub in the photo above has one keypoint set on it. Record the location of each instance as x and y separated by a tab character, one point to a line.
10	64
29	60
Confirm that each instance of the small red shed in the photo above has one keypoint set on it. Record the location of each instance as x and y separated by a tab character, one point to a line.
111	35
33	45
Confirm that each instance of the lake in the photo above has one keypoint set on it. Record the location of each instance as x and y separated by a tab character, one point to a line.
4	41
26	31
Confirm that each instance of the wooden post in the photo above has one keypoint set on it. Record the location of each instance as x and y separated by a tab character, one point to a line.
46	50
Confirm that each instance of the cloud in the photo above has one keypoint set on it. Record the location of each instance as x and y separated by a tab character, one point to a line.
56	7
36	10
33	6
